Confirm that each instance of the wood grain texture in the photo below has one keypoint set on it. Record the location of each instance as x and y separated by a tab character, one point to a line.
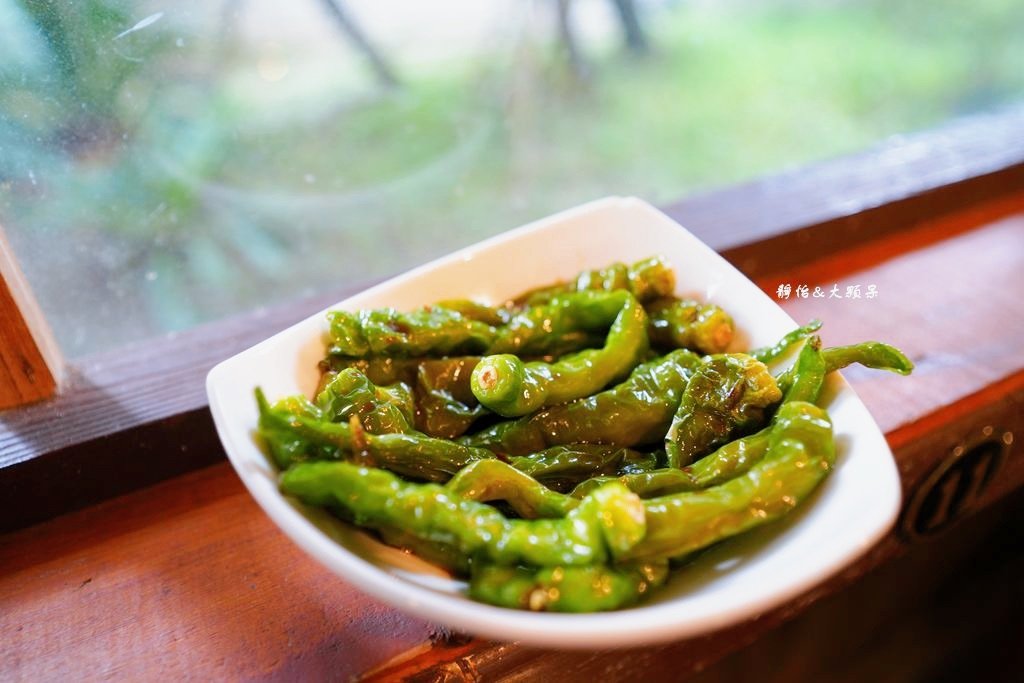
25	375
186	577
189	578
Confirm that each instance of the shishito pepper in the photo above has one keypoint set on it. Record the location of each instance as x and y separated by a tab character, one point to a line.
770	354
727	395
733	458
510	387
603	526
646	280
562	467
489	480
566	589
800	453
634	412
292	436
564	323
688	324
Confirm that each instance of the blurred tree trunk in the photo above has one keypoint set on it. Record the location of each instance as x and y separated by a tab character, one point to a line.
636	41
380	66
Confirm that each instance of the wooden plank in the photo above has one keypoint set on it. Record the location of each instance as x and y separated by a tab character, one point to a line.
212	586
183	578
125	400
29	359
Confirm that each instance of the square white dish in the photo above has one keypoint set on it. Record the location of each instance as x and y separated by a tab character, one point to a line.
736	580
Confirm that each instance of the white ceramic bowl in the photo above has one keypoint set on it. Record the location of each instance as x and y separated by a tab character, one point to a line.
738	579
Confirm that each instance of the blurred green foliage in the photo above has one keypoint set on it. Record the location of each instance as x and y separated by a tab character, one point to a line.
150	179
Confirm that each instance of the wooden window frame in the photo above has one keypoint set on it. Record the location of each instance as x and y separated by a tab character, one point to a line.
137	415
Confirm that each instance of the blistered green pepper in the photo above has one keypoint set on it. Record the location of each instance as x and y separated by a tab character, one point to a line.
562	467
646	280
778	350
637	411
730	460
800	453
563	324
726	396
445	402
388	332
294	437
874	355
508	386
489	480
687	324
808	373
605	525
381	410
567	589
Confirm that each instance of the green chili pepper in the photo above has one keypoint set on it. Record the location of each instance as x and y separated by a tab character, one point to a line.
686	324
874	355
488	480
446	404
293	437
564	323
800	453
871	354
473	310
730	460
567	589
509	387
603	526
646	280
778	350
726	396
562	467
387	332
637	411
382	371
808	373
381	410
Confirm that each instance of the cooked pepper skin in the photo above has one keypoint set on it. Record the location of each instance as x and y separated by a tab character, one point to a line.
687	324
872	354
293	437
388	332
567	589
800	453
381	410
731	459
488	480
646	280
445	403
561	467
808	373
778	350
634	412
506	385
565	323
603	526
726	396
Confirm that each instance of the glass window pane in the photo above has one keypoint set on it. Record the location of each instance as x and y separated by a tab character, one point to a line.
163	164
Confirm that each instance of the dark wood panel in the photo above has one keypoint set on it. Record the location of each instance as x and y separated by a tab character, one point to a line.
766	227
